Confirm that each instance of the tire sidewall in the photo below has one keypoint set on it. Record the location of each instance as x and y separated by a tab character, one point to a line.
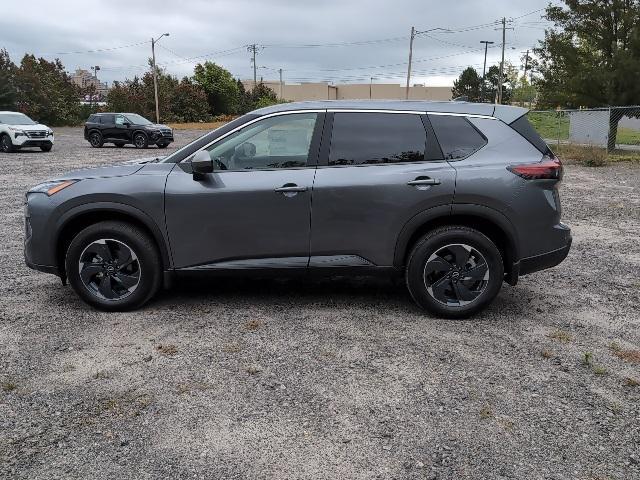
9	144
144	144
97	135
437	239
134	238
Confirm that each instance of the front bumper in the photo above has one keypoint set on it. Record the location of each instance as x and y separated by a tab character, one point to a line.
31	140
160	137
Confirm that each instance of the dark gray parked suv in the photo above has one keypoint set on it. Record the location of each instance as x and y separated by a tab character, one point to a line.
457	197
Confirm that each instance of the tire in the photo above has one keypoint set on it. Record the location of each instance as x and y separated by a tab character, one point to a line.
140	140
162	145
113	266
96	140
6	145
46	148
118	144
454	272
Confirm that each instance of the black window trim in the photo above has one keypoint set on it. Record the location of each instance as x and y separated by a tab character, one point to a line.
466	118
314	146
429	147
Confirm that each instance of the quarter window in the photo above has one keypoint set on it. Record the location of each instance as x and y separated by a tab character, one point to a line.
282	141
375	138
457	137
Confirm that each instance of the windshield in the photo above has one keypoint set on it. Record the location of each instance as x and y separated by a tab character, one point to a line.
15	119
136	119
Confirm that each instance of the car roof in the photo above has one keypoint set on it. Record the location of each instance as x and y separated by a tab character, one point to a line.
505	113
115	113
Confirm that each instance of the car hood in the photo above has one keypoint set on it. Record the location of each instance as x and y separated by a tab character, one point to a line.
118	170
157	126
32	128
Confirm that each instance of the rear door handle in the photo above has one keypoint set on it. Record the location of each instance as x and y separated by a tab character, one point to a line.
290	188
423	181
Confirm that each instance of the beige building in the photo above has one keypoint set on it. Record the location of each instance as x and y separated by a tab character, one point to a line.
85	79
350	91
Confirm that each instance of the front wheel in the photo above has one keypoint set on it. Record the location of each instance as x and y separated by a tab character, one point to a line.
6	145
46	148
140	140
163	145
113	266
454	272
95	139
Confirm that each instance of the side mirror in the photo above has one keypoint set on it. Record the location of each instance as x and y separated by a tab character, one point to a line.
201	163
127	124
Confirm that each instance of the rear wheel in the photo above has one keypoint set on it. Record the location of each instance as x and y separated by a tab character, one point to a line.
454	272
140	140
113	266
6	145
95	139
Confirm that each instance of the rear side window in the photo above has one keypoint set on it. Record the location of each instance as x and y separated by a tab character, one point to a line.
457	137
93	119
107	119
524	128
375	138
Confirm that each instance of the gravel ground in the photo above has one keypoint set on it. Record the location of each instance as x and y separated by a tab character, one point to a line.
329	379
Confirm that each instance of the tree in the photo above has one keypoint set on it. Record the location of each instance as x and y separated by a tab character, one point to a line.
45	92
468	85
591	58
493	80
189	102
219	85
8	93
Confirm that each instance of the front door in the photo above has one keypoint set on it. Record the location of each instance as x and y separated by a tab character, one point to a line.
253	211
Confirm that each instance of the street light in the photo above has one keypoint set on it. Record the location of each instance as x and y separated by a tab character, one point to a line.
484	69
155	79
97	85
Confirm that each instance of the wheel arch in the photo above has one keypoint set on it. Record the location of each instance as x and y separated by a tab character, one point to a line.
81	217
488	221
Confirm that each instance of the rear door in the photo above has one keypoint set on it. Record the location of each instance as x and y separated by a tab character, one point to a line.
108	126
377	170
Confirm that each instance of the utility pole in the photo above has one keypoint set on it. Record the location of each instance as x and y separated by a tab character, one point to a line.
501	78
370	87
97	84
413	35
484	68
281	86
155	73
253	48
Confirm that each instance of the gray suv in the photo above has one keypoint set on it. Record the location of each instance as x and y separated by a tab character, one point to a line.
456	197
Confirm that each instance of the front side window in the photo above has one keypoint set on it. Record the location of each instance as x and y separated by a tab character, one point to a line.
282	141
457	137
374	138
136	119
119	120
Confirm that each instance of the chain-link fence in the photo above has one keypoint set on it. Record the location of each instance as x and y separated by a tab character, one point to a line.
613	128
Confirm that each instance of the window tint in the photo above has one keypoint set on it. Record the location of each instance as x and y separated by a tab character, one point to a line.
119	119
524	128
457	137
372	138
93	119
277	142
107	119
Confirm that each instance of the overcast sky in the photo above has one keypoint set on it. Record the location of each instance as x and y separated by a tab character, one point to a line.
330	40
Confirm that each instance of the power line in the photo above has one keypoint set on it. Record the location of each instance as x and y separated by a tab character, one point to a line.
97	50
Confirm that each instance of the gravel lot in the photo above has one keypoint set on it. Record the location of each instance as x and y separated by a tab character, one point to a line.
332	379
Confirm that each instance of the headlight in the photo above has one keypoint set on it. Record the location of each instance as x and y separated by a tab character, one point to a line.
17	131
49	133
51	188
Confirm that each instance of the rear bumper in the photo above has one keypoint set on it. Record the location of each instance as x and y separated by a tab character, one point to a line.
545	260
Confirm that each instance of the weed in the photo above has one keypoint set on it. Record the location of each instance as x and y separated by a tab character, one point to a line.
486	412
631	356
599	370
167	350
546	354
588	358
561	336
231	348
615	346
631	382
253	325
102	375
9	386
253	369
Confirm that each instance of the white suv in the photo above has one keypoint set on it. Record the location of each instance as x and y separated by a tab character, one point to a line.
19	131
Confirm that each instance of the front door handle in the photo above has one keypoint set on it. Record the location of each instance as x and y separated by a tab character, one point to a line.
423	181
290	188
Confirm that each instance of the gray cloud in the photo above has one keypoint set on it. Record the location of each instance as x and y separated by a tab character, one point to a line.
200	27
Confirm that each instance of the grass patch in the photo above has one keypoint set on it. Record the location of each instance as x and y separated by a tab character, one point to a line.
631	382
253	325
588	156
102	375
550	125
167	350
561	336
253	369
599	370
631	356
8	386
546	354
486	412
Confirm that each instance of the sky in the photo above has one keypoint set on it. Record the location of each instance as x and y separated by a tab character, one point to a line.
339	41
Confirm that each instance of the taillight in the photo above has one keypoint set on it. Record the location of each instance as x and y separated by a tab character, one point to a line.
550	168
